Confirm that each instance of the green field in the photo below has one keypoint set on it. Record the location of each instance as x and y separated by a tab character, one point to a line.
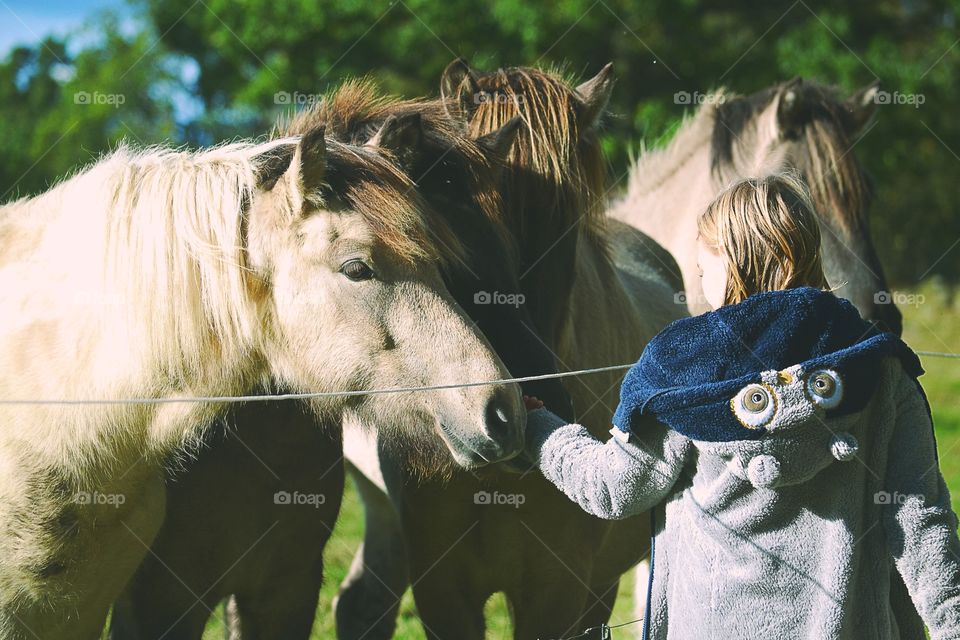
932	324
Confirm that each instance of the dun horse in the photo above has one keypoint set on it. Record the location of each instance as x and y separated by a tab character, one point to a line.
797	125
198	274
600	296
275	584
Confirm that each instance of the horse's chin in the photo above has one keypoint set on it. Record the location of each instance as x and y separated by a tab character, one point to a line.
463	455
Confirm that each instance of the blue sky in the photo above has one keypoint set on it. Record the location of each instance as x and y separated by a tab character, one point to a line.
26	21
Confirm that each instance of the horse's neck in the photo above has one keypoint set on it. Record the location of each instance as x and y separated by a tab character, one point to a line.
668	189
68	331
617	305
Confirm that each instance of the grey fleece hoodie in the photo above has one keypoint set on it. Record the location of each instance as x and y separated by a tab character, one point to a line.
791	536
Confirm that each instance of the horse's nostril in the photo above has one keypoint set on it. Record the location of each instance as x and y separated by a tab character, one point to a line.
498	414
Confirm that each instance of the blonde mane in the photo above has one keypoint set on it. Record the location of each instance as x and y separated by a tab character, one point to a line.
656	165
150	244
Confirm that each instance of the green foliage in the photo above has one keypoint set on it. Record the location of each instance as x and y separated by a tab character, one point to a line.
253	53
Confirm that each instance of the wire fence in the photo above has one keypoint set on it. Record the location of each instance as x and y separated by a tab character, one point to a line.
272	397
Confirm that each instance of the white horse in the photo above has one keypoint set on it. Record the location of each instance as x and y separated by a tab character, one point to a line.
797	126
165	274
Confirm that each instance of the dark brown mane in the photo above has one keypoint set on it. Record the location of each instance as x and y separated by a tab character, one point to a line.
823	122
568	160
354	112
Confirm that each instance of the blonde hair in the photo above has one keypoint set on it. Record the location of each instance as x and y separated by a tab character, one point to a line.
766	229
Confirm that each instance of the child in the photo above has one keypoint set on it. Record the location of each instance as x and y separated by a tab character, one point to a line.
782	445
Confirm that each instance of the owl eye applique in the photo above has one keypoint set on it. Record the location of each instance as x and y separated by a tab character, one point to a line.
755	405
825	388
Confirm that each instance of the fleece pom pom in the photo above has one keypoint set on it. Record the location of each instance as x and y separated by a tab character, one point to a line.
844	447
764	472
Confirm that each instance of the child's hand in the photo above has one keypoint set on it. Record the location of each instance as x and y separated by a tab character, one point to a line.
532	402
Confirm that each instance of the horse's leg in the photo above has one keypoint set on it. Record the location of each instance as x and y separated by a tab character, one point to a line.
73	555
552	606
600	604
450	607
172	615
369	597
457	555
279	609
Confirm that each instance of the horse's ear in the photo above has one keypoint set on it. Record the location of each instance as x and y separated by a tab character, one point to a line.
459	83
595	94
862	106
310	159
270	165
790	108
498	143
401	135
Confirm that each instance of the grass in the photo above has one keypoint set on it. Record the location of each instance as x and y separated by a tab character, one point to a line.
932	323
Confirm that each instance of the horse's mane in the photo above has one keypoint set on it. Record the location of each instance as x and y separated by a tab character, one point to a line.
656	165
552	146
835	177
355	110
156	238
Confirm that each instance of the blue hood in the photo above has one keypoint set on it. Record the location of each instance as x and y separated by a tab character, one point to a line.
689	372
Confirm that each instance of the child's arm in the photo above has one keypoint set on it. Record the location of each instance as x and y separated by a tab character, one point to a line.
610	480
921	528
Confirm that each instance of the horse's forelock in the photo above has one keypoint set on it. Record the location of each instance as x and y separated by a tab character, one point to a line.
552	145
353	113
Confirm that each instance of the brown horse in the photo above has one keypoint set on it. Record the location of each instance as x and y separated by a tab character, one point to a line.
212	544
596	295
799	126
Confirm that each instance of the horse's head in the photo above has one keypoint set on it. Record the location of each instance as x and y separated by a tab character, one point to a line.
554	185
349	257
809	128
459	179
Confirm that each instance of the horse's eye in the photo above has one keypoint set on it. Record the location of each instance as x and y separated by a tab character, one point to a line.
825	388
356	270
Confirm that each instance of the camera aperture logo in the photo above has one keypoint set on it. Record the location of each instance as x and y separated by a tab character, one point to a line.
899	298
95	498
486	297
114	100
885	497
496	498
299	499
